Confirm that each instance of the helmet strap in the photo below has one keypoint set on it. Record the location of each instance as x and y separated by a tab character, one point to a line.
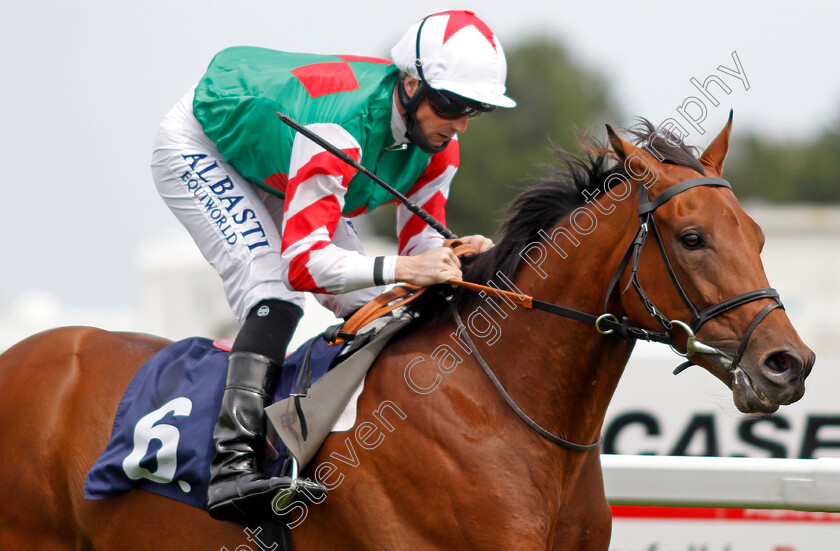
410	105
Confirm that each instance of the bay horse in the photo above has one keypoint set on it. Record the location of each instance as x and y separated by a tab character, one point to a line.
646	240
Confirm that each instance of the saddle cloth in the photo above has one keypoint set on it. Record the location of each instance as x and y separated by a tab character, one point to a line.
162	437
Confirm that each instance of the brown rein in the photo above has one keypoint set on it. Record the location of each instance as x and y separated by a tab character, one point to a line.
606	324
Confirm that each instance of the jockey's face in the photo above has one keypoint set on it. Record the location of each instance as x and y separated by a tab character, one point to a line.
435	128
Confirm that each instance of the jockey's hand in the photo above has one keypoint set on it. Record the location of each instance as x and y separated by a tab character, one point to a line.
437	265
479	241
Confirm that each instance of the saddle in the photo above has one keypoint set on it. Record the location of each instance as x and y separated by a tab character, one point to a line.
161	439
397	297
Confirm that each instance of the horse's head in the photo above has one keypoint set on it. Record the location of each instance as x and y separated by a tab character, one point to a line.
706	271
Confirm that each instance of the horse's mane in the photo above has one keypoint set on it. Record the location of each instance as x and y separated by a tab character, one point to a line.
547	200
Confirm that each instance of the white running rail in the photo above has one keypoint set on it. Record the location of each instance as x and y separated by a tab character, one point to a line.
733	482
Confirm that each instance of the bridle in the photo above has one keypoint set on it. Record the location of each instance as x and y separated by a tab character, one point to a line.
606	323
609	324
647	225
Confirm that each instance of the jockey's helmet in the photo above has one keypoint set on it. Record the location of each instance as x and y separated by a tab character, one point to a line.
460	66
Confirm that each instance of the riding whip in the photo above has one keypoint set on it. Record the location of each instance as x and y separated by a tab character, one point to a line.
409	204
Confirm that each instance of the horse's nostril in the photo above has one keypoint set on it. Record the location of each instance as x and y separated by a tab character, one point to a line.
809	362
782	362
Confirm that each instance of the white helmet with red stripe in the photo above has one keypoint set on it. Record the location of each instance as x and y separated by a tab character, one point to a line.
457	52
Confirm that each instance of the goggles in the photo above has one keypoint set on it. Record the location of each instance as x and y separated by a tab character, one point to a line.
452	106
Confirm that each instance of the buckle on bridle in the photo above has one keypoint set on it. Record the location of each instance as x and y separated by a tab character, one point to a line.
603	317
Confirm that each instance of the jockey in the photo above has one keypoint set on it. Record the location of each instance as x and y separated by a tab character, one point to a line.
269	208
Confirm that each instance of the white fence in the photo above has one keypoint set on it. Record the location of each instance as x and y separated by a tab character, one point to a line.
738	482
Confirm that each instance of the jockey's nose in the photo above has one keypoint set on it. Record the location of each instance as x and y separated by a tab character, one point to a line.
460	124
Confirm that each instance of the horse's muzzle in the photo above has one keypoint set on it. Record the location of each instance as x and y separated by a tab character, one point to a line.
777	379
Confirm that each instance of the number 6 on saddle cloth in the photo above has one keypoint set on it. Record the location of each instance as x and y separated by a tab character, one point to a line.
162	437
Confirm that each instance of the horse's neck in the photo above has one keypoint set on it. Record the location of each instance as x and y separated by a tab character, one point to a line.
564	370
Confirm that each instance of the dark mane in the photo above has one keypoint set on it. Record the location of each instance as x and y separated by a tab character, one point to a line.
554	196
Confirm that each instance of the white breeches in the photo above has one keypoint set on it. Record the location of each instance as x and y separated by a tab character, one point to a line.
234	223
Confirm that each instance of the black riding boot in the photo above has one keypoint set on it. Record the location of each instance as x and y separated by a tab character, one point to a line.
238	489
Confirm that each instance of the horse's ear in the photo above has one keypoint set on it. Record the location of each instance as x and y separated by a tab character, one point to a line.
639	162
714	155
622	147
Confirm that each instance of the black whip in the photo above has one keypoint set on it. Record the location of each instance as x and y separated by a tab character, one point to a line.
409	204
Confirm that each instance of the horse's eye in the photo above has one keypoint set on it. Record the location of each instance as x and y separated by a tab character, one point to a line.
692	240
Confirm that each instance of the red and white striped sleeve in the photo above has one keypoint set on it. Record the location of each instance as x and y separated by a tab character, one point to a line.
314	199
430	192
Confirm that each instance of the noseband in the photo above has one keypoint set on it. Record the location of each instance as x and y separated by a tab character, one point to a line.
647	225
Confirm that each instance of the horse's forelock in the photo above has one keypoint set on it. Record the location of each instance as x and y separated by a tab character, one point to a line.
668	144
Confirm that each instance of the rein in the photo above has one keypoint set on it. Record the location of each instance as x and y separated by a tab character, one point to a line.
465	336
609	324
606	323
